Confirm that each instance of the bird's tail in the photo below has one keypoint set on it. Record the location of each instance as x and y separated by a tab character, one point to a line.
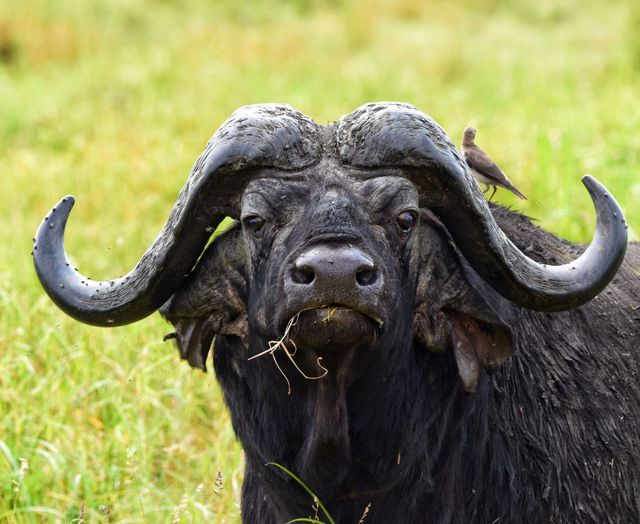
514	189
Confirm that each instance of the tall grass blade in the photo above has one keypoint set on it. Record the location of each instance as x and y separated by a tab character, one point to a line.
307	489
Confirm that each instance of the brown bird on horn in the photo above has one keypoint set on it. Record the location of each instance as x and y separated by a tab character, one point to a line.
483	169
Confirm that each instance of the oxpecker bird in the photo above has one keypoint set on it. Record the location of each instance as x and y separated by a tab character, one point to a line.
483	169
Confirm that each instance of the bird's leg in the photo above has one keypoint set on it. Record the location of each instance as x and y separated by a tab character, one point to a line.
495	188
486	188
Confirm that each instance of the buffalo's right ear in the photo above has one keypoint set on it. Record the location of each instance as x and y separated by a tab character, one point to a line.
212	301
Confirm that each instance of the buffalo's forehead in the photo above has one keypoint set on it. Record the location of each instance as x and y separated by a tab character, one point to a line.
330	192
275	139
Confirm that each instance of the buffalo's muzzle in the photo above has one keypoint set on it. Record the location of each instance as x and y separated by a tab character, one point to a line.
334	275
327	268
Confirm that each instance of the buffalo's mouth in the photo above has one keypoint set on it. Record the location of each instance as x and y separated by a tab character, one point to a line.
333	328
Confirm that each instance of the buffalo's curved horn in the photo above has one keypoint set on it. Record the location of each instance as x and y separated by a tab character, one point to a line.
399	135
257	136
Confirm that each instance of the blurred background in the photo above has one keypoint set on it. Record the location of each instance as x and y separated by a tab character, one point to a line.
113	100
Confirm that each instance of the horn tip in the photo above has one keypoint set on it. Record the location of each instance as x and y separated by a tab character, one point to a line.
56	219
600	193
66	202
591	183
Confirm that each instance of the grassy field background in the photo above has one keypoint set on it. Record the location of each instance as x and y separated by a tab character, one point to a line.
112	101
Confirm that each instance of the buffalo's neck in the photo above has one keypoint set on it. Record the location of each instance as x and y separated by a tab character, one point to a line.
398	427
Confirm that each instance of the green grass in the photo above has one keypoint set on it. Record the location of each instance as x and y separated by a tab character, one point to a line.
112	101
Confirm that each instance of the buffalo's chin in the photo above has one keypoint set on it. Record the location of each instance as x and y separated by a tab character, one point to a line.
329	329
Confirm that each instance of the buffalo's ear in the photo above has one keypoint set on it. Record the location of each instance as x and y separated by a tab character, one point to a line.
475	340
477	343
457	311
212	301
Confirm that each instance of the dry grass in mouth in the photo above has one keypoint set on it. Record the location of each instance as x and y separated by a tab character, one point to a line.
274	345
330	312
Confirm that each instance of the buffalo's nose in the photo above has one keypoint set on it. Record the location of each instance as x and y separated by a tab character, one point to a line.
328	266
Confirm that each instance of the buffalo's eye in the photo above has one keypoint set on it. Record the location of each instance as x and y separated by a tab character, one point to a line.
253	223
406	220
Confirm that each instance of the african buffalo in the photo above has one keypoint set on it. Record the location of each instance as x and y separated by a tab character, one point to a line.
386	335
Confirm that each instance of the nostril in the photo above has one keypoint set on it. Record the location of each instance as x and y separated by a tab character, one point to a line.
367	276
303	274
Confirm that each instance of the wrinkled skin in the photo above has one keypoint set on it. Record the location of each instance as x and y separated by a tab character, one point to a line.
549	437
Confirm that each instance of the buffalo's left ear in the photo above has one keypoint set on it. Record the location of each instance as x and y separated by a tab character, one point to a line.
211	301
476	341
457	311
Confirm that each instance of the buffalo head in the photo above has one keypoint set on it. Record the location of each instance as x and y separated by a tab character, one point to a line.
349	235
